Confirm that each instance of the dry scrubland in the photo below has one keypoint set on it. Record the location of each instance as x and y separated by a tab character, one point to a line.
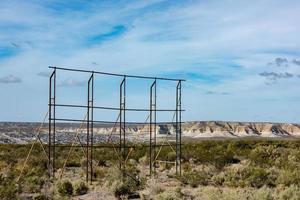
230	169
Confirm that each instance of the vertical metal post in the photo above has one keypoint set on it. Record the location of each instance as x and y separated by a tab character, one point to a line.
155	122
51	133
122	109
87	134
120	128
152	128
124	121
150	133
50	123
178	128
54	124
90	124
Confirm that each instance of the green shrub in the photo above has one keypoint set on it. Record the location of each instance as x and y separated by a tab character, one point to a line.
40	197
290	193
80	188
263	193
195	178
73	163
265	156
123	183
33	184
113	175
171	156
209	192
289	177
8	189
234	177
65	188
257	177
168	195
218	179
243	176
120	189
100	172
235	193
102	163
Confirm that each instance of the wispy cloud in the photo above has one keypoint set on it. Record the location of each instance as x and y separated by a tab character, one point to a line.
10	79
275	76
116	32
279	62
44	74
296	62
217	93
71	83
272	77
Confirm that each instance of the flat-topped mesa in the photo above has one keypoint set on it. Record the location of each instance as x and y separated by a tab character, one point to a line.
240	129
12	132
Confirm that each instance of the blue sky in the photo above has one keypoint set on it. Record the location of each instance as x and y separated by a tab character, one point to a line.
241	58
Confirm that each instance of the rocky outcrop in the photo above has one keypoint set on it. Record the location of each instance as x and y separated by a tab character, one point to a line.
11	132
240	129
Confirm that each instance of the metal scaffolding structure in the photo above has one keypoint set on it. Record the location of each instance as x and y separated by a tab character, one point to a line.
123	147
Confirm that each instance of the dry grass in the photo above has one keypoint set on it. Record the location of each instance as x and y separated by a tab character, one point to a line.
226	170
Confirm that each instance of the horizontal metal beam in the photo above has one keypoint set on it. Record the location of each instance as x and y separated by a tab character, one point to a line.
104	146
107	122
113	108
114	74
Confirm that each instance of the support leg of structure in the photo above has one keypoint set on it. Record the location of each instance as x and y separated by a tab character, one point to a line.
178	128
51	139
90	132
51	134
54	125
122	109
152	128
50	124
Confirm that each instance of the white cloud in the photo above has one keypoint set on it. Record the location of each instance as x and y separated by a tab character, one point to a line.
71	83
10	79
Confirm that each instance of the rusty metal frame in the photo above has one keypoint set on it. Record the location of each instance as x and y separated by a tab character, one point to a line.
123	147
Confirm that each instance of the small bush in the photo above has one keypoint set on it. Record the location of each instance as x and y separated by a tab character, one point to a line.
154	187
257	177
123	184
73	163
209	193
263	193
100	172
171	156
289	177
80	188
195	178
265	155
168	195
144	160
120	189
292	192
8	189
33	184
40	197
218	179
102	163
65	188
